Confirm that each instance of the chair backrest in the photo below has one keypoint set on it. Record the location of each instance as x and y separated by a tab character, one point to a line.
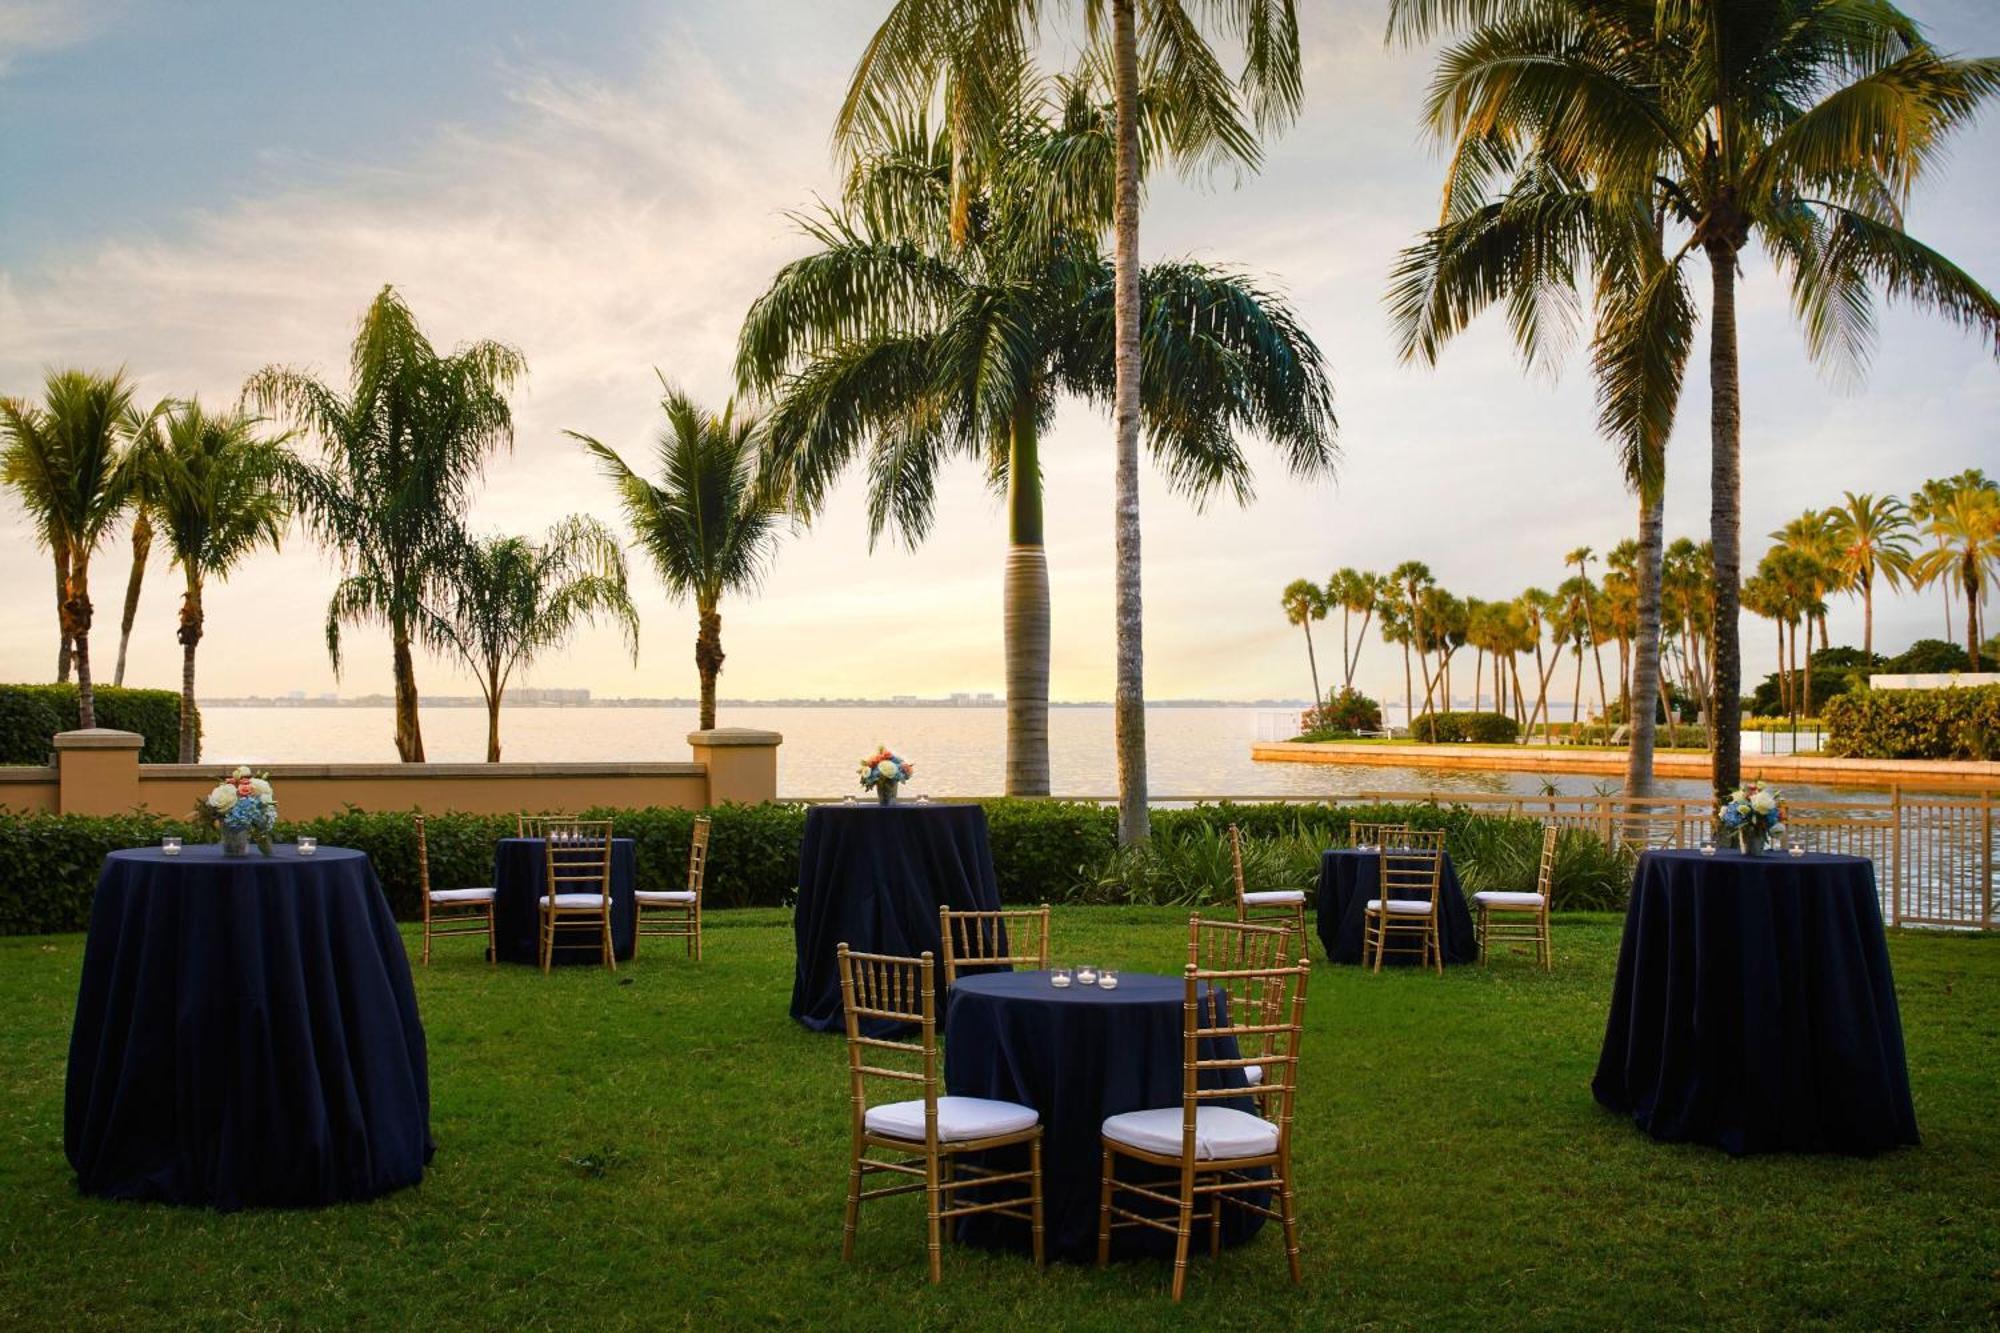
1412	873
1236	861
576	856
1545	876
898	990
1423	839
423	866
532	826
1361	833
1229	946
1260	1022
698	856
1015	938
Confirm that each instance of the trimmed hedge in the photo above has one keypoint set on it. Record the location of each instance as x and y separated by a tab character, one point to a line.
1915	724
31	715
1479	728
1043	851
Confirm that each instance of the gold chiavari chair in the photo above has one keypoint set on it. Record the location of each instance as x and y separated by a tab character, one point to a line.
1508	915
1287	905
576	883
1014	938
1363	834
1409	888
926	1134
1208	1156
531	826
451	911
1240	946
676	913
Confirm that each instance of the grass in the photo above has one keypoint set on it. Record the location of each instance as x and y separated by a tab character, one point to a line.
664	1148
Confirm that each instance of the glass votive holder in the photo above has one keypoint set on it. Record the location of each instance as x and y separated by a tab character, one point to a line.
1108	979
849	799
1059	977
170	846
925	799
307	846
1708	847
1794	848
1086	974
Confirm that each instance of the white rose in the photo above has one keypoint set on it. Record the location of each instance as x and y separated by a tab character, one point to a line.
261	787
242	771
222	798
1763	803
886	769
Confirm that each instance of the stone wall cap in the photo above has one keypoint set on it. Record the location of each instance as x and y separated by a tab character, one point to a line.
500	771
99	738
722	736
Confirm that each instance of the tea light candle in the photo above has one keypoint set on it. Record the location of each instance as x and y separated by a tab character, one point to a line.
1707	847
307	846
1086	975
1795	849
1059	977
170	846
1108	979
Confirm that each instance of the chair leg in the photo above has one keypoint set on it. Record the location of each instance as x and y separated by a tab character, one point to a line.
1288	1213
1482	934
547	931
427	939
1435	943
933	1206
1214	1226
638	927
610	957
1035	1198
1104	1214
1183	1232
852	1218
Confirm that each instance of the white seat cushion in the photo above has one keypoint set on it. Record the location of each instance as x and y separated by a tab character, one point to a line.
659	896
1219	1132
959	1119
1501	898
461	895
576	900
1402	906
1273	898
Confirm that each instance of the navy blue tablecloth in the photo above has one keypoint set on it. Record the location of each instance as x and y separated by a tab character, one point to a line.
1347	880
519	867
246	1033
1077	1056
872	877
1754	1007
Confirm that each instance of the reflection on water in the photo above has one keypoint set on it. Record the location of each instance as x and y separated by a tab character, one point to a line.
957	751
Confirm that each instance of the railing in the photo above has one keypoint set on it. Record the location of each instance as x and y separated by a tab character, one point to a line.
1934	855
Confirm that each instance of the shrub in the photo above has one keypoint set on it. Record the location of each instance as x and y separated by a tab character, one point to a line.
1927	657
31	715
1480	728
1043	851
1347	712
1916	724
1684	736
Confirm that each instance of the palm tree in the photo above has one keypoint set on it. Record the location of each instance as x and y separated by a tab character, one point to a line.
976	49
505	601
1571	626
711	523
1929	504
142	456
401	452
1540	615
1815	564
1805	127
66	461
1304	602
216	495
1872	534
1588	609
897	341
1404	586
1967	531
1355	593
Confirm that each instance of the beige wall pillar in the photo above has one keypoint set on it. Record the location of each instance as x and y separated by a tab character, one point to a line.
742	763
98	771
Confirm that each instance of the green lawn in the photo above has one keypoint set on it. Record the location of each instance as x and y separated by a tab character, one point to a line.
664	1148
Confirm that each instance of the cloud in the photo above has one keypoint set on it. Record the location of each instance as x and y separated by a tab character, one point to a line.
30	27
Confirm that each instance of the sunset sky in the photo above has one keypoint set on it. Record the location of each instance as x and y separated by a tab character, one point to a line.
195	189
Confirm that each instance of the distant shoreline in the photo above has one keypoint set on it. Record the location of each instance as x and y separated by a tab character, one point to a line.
467	701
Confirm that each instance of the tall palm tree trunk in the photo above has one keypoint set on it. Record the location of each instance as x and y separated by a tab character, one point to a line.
189	635
1868	616
1409	694
1129	703
1478	677
1725	518
409	733
493	694
1646	682
1346	658
1597	655
1025	615
1973	577
142	545
62	621
1576	697
1312	663
76	620
708	656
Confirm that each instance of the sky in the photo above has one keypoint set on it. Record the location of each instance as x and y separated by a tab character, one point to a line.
194	189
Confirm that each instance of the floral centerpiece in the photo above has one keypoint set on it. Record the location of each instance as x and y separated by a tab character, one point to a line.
1752	814
884	771
243	809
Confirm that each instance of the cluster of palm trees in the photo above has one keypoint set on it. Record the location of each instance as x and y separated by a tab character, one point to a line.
401	448
1432	625
1946	535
